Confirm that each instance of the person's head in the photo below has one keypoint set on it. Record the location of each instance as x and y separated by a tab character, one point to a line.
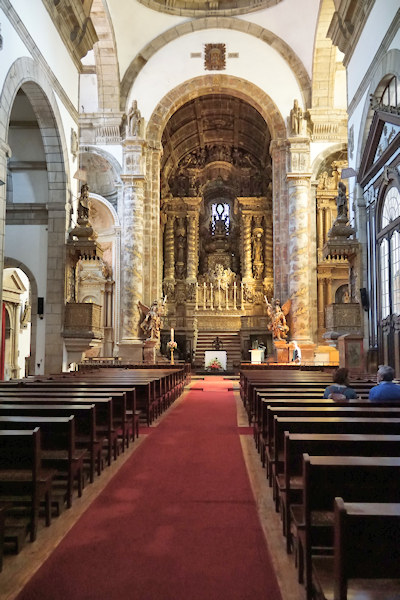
341	376
385	373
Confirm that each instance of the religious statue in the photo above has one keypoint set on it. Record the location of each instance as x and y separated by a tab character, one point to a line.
151	323
83	203
278	324
133	120
296	118
341	201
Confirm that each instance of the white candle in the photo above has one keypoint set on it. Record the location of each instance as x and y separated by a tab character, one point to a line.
172	335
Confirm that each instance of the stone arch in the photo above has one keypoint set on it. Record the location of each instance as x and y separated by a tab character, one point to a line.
12	263
27	75
322	156
324	59
106	56
388	66
223	84
264	35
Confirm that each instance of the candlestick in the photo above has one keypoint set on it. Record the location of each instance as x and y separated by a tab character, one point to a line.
172	334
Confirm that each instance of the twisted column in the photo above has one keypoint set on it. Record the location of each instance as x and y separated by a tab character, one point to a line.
246	247
169	257
193	241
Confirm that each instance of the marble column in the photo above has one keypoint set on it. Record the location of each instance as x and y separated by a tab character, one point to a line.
132	247
278	151
300	248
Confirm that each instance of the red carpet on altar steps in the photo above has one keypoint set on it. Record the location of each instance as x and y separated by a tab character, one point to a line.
177	522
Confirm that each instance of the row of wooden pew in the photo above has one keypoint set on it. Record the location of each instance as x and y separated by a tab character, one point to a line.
58	432
324	460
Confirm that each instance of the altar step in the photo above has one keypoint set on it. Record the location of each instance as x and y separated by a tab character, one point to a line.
230	343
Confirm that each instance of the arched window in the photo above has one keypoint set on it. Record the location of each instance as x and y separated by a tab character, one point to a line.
389	254
391	93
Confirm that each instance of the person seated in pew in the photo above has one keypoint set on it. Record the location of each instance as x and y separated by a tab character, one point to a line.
386	388
340	390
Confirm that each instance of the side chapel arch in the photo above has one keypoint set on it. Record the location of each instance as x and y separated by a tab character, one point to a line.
27	74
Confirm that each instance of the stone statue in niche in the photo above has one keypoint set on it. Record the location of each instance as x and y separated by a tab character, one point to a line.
257	251
296	119
180	248
133	120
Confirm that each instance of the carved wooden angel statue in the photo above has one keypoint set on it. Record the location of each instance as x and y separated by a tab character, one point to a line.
151	323
277	314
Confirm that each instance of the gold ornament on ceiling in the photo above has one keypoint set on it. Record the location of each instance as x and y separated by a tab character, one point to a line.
214	57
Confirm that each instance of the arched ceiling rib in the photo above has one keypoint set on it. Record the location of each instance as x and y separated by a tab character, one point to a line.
231	23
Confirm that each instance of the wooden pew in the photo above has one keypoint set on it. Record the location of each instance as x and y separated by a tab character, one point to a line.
290	482
4	507
85	423
106	430
22	476
276	445
358	479
57	446
88	394
366	553
363	425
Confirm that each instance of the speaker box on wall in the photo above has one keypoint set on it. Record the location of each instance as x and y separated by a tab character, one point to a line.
364	298
40	306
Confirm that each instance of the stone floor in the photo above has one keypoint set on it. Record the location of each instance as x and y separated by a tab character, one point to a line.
17	570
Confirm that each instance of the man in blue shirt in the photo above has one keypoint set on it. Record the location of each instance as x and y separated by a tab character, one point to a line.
386	389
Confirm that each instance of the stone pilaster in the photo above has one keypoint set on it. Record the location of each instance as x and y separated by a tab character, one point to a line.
152	237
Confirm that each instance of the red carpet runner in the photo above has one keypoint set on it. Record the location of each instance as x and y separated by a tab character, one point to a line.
177	522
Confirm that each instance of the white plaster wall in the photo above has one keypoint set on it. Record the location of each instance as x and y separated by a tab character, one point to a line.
378	22
396	41
356	119
316	149
114	149
157	77
36	19
13	47
293	21
88	93
32	253
68	123
135	26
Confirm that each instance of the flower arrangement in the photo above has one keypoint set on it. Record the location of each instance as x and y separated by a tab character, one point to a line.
214	365
172	345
